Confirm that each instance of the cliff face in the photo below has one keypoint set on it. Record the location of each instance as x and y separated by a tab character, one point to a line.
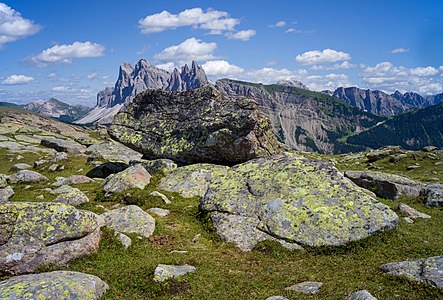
132	80
304	120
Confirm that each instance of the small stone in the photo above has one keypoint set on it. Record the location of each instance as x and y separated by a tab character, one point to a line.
196	238
53	168
307	287
38	163
159	211
408	220
158	194
61	168
40	197
277	298
21	166
59	156
361	295
26	176
80	170
27	187
412	213
429	148
413	167
124	239
19	157
165	272
178	251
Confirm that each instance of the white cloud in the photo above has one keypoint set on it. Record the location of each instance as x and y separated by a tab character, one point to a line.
17	80
272	75
169	66
13	26
191	49
65	53
243	35
221	68
74	92
92	76
388	77
399	50
213	20
321	57
278	24
346	65
293	30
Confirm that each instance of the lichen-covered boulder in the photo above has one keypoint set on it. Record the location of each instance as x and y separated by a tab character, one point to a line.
3	181
165	272
432	195
361	295
130	219
38	234
69	195
27	176
195	126
53	285
157	166
73	179
63	145
112	151
133	177
291	198
192	180
6	194
385	185
426	270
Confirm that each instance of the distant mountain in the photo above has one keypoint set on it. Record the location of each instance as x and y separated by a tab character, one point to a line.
302	119
380	103
412	130
57	109
8	104
134	79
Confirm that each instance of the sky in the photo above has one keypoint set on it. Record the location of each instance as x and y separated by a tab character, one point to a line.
71	50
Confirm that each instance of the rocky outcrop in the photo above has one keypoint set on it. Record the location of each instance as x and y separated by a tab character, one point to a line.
385	185
427	270
195	126
112	151
39	234
53	285
288	197
133	80
432	195
302	119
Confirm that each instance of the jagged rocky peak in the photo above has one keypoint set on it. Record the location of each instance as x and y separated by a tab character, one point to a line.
188	78
293	83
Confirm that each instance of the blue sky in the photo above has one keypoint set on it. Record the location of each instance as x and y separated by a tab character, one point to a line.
72	49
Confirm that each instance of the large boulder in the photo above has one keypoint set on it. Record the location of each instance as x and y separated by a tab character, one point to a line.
385	185
6	194
291	198
27	176
195	126
63	145
130	219
133	177
432	195
106	169
426	270
190	181
69	195
38	234
53	285
112	151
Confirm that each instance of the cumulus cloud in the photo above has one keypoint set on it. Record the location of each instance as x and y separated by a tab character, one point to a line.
74	92
322	57
169	66
65	53
13	26
399	50
214	21
191	49
221	68
243	35
278	24
346	65
389	77
17	80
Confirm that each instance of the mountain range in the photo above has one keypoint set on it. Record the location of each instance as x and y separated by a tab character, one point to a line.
134	79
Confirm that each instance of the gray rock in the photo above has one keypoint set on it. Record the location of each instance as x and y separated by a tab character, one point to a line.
277	298
3	181
130	219
21	166
307	287
165	272
40	162
106	169
39	234
157	166
381	153
40	197
26	176
159	211
63	145
291	198
53	168
53	285
73	179
427	270
384	185
429	149
158	194
124	239
59	156
412	213
131	178
113	152
70	195
6	194
413	167
432	195
195	126
192	180
408	220
361	295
